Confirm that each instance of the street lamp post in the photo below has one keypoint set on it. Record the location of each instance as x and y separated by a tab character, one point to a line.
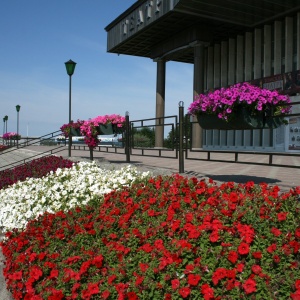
18	109
3	125
70	67
6	119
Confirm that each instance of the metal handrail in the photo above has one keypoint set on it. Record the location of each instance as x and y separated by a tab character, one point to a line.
30	142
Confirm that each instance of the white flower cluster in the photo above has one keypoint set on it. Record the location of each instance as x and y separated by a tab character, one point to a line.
60	190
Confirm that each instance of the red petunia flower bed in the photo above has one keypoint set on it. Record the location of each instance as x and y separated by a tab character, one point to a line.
167	238
3	147
36	168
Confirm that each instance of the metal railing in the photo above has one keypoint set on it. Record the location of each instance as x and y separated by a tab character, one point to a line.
42	140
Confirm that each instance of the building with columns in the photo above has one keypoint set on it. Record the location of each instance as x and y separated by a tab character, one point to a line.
227	41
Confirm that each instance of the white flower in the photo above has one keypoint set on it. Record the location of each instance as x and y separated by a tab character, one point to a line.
62	189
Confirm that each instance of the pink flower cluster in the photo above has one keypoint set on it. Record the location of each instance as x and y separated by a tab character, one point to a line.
90	128
225	101
11	136
114	119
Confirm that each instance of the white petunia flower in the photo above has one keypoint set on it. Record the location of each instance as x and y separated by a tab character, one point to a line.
62	189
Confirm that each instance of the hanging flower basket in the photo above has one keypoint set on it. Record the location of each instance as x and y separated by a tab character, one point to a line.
72	128
106	129
241	121
241	106
207	122
75	131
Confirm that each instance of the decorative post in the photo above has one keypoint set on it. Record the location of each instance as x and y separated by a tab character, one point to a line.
127	137
6	119
70	67
3	125
181	117
18	110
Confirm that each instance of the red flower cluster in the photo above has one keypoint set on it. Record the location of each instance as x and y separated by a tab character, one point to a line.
168	238
3	147
36	168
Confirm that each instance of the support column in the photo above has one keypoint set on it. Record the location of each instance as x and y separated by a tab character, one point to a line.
198	89
267	51
257	54
288	44
231	61
277	47
240	58
248	56
160	102
298	41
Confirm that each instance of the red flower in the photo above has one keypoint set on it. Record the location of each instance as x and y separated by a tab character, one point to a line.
282	216
297	284
56	295
54	273
147	248
92	289
184	292
105	294
297	233
219	274
276	259
256	269
111	279
175	284
243	249
193	279
249	286
257	255
276	231
214	236
132	296
240	267
97	261
272	248
232	256
296	295
159	244
36	272
207	292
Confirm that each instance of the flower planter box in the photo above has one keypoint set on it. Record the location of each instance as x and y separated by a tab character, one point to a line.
212	122
105	129
242	120
75	132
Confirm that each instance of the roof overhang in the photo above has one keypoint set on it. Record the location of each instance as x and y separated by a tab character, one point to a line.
169	28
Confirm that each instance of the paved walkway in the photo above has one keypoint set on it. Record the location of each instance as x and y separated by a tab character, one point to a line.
285	178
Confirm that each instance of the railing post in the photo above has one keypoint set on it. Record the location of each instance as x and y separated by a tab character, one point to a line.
127	137
181	117
91	153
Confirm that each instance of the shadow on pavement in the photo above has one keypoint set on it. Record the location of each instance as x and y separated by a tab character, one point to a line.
243	178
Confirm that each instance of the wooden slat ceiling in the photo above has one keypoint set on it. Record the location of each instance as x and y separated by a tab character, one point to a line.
224	18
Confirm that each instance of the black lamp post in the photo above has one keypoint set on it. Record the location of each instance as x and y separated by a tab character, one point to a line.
6	119
18	109
70	67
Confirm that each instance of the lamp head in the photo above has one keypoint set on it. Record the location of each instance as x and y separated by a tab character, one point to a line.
18	108
70	67
6	118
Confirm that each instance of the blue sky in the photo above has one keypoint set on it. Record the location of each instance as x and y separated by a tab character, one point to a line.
39	36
